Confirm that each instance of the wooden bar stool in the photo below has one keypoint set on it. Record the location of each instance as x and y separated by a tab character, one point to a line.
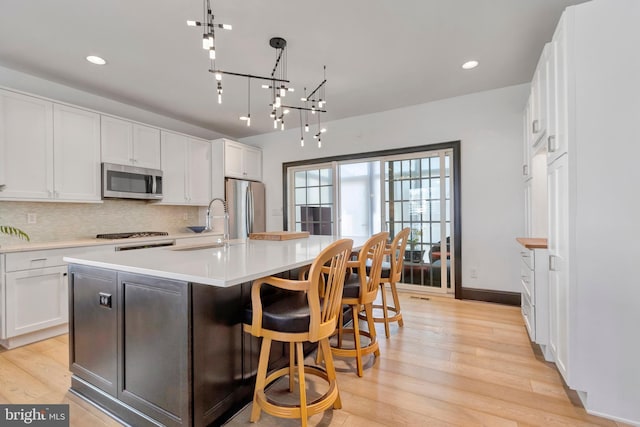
360	290
391	273
306	315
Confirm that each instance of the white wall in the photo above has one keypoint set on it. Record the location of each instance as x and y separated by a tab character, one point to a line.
489	124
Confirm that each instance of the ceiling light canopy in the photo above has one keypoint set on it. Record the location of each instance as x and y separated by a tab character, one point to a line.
96	60
470	64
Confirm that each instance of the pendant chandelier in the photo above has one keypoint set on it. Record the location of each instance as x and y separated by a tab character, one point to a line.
277	82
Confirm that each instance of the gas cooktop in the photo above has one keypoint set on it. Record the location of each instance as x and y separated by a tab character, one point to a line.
132	234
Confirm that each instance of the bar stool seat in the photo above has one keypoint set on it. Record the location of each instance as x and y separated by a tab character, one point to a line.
308	314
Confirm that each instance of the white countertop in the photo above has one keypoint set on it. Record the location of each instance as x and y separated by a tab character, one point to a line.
22	246
242	261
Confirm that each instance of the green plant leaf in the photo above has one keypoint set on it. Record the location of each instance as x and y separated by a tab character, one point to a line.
12	231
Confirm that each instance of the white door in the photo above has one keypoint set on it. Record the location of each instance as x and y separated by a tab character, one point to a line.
233	154
199	178
116	136
252	163
76	154
174	168
146	146
26	131
558	243
36	299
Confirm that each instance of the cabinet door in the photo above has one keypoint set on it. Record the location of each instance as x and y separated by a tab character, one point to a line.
526	149
26	136
253	163
36	299
155	327
233	154
217	169
174	168
117	139
94	327
76	154
198	172
557	142
146	146
558	242
539	99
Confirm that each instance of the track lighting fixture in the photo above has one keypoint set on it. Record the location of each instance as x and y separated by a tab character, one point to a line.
208	24
277	80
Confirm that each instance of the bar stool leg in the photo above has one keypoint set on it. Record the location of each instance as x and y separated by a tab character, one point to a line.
331	370
396	303
368	308
356	338
261	377
301	383
384	310
292	365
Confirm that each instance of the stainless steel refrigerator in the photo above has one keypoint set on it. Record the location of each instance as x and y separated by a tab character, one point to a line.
246	205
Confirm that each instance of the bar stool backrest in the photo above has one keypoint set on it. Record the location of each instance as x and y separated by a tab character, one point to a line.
396	252
370	261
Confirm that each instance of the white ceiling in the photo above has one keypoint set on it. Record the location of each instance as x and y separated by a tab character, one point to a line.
380	54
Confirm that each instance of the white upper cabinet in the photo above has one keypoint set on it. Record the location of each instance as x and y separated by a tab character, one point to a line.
242	161
128	143
186	171
50	151
26	131
76	154
557	140
217	169
539	98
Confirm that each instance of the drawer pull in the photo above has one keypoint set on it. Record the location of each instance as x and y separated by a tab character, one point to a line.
38	259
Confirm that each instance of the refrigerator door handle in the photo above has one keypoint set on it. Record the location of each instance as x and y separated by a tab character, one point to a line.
251	210
247	201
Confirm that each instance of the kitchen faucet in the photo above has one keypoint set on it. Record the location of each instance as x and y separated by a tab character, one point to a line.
207	223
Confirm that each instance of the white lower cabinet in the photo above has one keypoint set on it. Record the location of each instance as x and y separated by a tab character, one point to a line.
535	297
34	294
36	299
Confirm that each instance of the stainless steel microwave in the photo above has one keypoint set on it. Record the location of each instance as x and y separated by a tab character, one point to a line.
131	182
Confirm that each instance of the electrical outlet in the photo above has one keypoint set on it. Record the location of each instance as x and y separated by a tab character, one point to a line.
32	218
473	272
185	216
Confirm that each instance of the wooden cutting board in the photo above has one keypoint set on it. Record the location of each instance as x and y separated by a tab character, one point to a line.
279	235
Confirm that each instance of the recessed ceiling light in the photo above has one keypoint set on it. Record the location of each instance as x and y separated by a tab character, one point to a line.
96	60
469	65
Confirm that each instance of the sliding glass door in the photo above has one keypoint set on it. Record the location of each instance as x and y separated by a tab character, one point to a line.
418	196
360	198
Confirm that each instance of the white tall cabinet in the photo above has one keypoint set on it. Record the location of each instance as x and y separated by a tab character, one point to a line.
592	149
242	161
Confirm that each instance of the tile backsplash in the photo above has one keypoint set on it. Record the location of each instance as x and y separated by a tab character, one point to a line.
68	221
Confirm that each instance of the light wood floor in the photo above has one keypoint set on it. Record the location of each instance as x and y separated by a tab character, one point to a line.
454	363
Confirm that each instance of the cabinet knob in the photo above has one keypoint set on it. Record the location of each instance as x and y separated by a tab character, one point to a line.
551	143
525	170
535	126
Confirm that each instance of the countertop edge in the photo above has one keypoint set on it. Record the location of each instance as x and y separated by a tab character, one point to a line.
77	243
533	242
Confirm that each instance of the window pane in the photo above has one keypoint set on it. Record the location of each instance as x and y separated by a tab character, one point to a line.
297	213
300	179
435	166
326	176
313	178
326	195
301	196
313	195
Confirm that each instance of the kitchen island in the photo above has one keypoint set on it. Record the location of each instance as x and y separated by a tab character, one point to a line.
156	336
